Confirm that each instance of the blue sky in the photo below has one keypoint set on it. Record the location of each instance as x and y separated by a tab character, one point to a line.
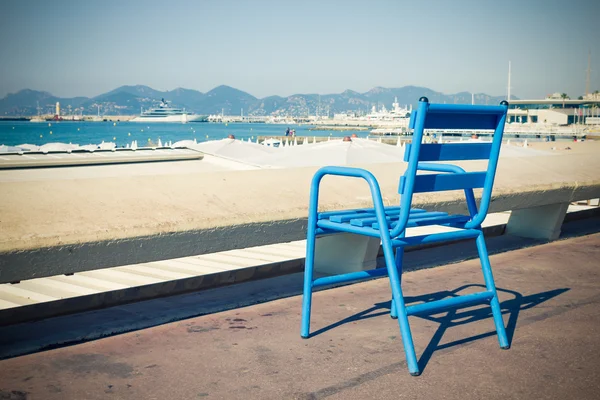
284	47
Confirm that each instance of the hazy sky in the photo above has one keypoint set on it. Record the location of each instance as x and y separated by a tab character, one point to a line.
87	47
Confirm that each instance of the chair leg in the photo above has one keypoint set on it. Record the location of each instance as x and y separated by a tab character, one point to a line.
490	285
399	258
308	280
398	300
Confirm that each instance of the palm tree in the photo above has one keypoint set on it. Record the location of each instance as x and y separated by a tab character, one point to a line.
564	96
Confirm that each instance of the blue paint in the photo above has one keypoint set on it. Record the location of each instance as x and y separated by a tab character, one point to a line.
443	182
389	223
434	307
453	151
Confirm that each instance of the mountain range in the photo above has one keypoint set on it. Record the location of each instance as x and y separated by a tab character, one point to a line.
129	100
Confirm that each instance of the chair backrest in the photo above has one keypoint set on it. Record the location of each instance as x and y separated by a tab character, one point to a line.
452	117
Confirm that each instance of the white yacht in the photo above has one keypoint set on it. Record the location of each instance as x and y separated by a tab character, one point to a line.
166	113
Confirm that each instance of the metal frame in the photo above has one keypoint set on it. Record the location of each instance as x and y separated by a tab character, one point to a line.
392	233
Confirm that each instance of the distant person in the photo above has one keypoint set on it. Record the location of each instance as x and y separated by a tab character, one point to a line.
287	132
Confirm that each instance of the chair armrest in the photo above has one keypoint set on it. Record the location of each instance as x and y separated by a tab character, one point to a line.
352	173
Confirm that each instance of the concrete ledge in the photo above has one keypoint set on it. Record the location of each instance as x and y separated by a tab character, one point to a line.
97	157
68	259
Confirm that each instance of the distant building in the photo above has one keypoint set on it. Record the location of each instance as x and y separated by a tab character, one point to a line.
555	110
592	96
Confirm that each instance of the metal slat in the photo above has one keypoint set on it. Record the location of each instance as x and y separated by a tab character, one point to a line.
441	220
455	151
370	214
328	214
373	220
444	182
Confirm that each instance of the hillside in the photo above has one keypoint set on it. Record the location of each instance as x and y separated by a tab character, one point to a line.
129	100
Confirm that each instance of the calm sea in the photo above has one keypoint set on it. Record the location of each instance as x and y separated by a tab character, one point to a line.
82	133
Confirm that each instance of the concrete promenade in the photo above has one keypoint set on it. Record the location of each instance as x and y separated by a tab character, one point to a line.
550	295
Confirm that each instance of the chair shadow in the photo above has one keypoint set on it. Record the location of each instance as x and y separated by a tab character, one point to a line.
452	318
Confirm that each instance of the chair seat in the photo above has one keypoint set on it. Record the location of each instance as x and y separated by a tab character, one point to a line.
366	218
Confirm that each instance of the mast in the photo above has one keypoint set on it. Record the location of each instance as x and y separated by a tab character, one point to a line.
588	72
508	94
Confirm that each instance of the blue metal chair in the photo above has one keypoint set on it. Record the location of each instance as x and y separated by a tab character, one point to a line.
390	223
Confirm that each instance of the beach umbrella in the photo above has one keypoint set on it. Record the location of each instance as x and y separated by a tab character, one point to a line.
336	152
237	150
10	149
107	146
159	143
29	147
183	143
58	147
89	147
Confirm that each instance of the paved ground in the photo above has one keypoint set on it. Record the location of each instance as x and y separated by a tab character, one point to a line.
552	314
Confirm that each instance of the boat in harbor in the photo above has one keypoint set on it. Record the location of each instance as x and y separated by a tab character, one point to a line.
165	113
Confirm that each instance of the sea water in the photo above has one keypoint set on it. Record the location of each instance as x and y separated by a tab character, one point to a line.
13	133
